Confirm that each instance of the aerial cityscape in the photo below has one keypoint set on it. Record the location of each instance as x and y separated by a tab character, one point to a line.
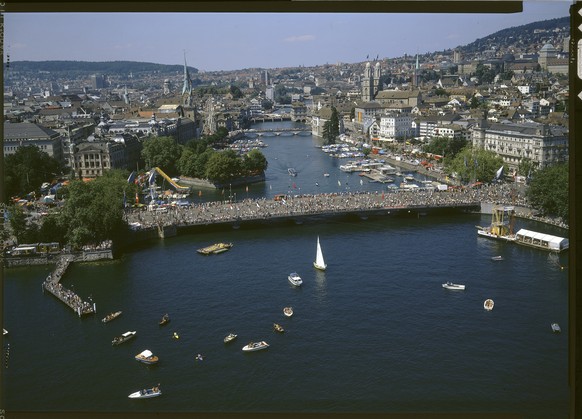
178	207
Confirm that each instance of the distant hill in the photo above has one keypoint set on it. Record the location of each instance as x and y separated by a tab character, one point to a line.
529	34
105	67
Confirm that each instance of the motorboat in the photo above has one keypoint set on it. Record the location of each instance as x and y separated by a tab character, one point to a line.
165	320
215	249
175	336
111	316
452	286
556	328
123	338
488	304
255	346
278	328
288	311
319	262
4	332
495	258
292	171
147	357
295	279
146	393
230	337
199	357
326	175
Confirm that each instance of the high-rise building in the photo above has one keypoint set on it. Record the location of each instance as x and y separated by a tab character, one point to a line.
98	81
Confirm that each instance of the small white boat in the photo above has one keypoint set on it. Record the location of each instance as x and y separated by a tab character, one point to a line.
488	304
255	346
278	328
146	393
230	337
123	338
4	332
295	279
556	328
288	311
319	263
147	357
292	171
451	286
497	258
199	357
326	174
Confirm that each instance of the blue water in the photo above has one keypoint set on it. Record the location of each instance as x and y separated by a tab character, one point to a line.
375	332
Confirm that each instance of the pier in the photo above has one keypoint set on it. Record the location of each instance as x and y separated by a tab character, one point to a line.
52	284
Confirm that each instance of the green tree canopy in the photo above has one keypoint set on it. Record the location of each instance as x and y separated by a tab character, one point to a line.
162	152
27	169
548	191
254	162
472	165
445	146
223	166
331	127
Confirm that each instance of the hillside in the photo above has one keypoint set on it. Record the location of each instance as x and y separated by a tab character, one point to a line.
521	37
106	67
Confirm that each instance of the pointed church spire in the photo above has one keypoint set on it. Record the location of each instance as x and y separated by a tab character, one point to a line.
187	89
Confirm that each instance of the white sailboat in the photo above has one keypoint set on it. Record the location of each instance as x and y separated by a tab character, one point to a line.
319	262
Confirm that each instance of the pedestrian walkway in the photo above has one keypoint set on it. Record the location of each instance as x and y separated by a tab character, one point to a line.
52	284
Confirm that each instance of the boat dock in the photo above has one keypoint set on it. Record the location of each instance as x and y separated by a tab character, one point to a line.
52	284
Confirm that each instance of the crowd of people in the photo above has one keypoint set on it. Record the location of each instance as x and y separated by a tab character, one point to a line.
330	203
53	285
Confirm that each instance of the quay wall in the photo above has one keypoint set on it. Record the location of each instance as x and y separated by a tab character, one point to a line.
51	259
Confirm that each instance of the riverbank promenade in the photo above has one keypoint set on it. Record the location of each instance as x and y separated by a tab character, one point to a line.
52	285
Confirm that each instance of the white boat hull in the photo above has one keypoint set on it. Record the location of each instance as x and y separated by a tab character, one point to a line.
450	286
252	348
148	394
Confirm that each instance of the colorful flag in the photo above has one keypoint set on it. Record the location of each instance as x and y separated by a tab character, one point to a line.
131	177
152	178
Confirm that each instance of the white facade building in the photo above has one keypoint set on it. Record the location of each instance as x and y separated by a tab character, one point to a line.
396	125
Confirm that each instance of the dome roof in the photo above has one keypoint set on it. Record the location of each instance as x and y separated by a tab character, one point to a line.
547	47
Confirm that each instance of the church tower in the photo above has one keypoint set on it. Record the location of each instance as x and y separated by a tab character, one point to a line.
367	84
187	88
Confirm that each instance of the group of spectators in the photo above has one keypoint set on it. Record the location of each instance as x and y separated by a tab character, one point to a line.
330	203
52	285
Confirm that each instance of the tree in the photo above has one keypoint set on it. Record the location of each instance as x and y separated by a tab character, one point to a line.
331	127
162	152
236	92
526	167
27	169
548	191
445	146
474	165
223	166
254	162
94	210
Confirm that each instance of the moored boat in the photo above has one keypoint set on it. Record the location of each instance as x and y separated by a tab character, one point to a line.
230	337
146	393
147	357
295	279
488	304
292	171
215	249
278	328
111	316
452	286
288	311
255	346
123	338
501	227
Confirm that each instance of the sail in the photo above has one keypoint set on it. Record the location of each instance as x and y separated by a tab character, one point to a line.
319	262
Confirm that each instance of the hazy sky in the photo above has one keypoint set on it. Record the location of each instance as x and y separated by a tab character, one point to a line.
228	41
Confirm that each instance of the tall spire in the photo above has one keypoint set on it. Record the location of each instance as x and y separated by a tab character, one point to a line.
187	88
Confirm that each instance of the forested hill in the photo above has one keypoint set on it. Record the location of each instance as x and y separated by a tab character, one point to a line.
534	33
107	67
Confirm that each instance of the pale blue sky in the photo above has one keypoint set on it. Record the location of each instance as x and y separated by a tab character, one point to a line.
228	41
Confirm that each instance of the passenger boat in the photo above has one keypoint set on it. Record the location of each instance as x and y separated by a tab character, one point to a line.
255	346
541	240
215	249
497	258
146	393
288	311
147	357
556	328
295	279
278	328
292	171
230	337
165	320
488	304
123	338
319	263
111	316
451	286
